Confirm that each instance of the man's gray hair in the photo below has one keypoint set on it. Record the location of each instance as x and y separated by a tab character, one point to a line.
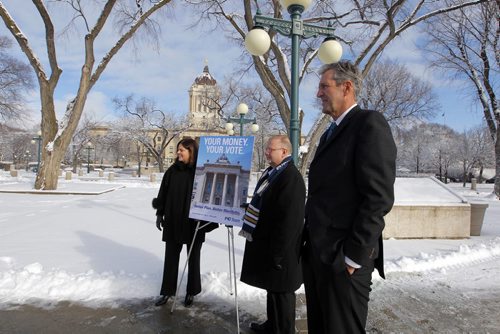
344	71
283	140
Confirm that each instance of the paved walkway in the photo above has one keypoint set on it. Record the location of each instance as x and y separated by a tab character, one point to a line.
413	306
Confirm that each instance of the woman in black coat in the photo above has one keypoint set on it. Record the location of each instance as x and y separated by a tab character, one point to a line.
172	204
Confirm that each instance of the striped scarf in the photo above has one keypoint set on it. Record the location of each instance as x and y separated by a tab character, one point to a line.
252	211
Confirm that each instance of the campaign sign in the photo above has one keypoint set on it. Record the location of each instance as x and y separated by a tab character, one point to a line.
221	180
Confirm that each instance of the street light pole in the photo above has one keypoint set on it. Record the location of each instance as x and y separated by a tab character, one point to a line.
38	139
27	156
88	148
257	42
242	110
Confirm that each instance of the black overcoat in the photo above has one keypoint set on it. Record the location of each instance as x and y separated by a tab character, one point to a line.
174	200
351	189
277	236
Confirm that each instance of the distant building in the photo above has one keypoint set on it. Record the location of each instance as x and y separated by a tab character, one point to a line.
204	119
204	115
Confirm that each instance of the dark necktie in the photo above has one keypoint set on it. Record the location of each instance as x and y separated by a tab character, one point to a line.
330	130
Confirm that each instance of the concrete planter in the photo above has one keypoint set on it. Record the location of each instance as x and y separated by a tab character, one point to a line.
444	221
477	218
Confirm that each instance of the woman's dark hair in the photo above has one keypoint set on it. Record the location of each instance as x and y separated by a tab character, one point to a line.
192	146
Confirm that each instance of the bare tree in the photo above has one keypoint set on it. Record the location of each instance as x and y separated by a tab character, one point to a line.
81	138
464	44
467	155
117	148
482	147
57	134
268	119
14	142
15	81
391	89
151	127
366	27
414	148
262	106
444	143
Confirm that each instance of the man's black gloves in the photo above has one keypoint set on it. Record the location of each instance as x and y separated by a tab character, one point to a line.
159	222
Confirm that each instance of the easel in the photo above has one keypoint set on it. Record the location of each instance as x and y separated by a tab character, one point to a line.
232	269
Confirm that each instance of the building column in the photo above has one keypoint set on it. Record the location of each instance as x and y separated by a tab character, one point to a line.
224	190
212	192
236	191
201	188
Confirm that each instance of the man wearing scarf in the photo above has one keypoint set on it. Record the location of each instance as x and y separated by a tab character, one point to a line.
274	222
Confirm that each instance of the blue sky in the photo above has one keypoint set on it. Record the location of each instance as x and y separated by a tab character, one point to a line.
166	74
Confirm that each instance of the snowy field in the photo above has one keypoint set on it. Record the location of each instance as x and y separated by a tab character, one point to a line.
104	250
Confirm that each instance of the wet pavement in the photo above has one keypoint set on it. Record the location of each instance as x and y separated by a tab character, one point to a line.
463	300
414	308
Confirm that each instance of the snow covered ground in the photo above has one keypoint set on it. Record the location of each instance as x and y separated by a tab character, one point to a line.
104	250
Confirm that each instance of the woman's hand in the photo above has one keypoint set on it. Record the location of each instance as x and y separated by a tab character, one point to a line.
159	222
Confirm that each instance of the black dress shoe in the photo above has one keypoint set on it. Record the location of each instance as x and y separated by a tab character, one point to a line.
162	300
259	328
188	301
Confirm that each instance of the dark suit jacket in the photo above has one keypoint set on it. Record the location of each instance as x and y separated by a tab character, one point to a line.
277	236
351	189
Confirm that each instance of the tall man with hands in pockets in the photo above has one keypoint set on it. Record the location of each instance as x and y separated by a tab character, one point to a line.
351	189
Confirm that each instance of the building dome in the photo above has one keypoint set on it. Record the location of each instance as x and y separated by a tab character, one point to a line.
205	78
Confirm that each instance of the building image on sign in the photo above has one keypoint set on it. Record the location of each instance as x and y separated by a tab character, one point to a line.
221	182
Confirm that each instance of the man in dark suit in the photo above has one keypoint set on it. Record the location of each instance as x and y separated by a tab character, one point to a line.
351	189
273	222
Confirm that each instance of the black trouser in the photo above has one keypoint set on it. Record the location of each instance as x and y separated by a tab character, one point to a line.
171	269
336	301
281	312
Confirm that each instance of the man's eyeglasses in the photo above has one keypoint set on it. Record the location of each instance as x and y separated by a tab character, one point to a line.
268	149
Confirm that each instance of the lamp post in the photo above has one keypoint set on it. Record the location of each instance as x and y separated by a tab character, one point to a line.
242	110
88	148
38	139
27	155
147	154
257	42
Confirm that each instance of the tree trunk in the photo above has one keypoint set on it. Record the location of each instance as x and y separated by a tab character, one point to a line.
47	176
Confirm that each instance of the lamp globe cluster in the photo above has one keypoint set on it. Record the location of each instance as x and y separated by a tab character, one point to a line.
258	42
242	110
